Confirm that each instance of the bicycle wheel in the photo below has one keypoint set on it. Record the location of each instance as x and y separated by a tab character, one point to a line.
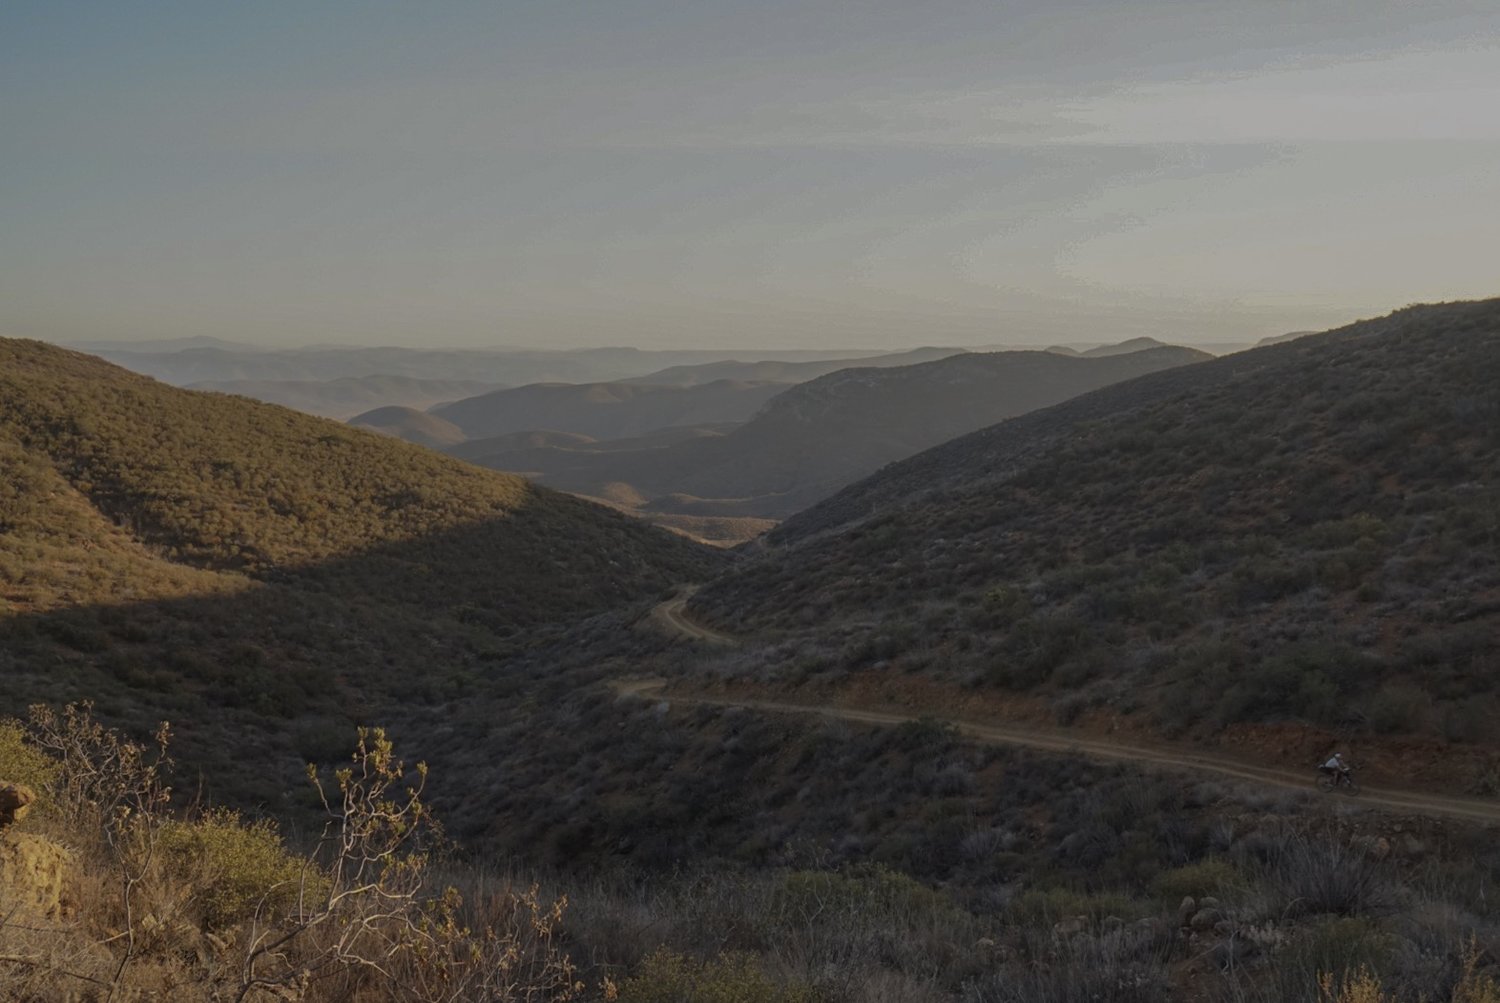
1326	783
1350	787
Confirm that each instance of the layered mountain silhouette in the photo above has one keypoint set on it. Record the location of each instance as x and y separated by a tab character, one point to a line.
604	410
1309	530
189	361
818	436
784	371
350	395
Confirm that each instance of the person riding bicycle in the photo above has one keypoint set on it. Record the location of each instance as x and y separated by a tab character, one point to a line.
1337	768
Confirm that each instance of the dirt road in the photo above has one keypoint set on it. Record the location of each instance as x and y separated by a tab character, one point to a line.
672	617
1412	802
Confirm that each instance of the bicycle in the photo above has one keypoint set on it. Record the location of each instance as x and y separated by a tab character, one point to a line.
1344	782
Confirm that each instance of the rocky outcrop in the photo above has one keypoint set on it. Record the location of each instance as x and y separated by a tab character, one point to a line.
15	803
35	875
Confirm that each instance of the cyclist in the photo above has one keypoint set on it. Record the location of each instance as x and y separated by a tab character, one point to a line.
1337	768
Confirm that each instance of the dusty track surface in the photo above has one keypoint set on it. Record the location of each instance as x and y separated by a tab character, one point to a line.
672	617
1409	802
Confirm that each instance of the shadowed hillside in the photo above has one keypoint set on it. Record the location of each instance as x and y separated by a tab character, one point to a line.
239	566
1306	531
818	436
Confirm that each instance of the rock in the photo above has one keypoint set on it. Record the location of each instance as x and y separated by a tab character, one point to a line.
1186	909
1071	926
15	803
35	875
1204	919
1224	928
1113	922
1374	847
1208	902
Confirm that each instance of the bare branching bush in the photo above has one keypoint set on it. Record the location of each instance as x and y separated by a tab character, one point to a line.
363	914
115	789
217	907
102	778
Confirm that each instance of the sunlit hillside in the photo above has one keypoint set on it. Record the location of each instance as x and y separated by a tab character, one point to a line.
174	554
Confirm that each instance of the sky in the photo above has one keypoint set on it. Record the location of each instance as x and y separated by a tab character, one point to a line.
717	173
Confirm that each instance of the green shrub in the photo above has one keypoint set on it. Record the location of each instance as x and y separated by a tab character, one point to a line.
668	977
241	866
863	890
21	763
1045	906
1210	876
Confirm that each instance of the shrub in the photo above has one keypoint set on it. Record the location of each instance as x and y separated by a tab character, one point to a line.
23	763
1356	987
1326	878
1122	966
1043	907
1209	876
668	977
243	867
864	890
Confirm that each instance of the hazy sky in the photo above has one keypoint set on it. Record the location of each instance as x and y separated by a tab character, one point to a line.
754	172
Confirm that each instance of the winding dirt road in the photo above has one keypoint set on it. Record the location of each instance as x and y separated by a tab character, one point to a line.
672	615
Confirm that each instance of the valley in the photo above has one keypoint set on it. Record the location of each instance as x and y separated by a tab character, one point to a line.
650	502
1037	708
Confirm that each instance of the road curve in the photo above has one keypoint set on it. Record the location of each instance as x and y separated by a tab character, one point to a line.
672	616
1412	802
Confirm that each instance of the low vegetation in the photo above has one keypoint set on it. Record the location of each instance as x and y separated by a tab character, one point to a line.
1281	903
143	902
598	847
1309	531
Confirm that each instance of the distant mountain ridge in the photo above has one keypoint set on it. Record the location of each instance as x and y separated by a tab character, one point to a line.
783	371
207	360
347	396
605	410
815	437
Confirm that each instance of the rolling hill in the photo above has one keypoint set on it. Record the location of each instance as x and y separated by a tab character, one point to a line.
605	410
818	436
785	371
1122	348
246	569
412	425
189	361
350	395
1308	531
